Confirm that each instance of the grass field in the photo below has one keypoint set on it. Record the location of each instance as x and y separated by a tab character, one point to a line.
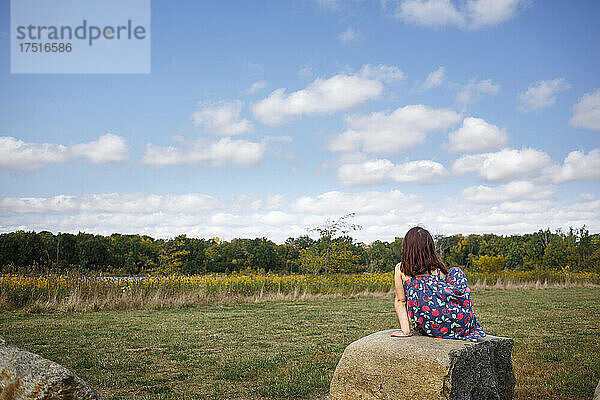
289	349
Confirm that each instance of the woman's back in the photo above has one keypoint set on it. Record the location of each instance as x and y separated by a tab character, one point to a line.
441	306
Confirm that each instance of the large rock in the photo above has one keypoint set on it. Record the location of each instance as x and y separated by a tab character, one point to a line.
597	392
24	375
379	366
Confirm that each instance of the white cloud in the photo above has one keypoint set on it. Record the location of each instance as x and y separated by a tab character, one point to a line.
386	133
363	203
421	171
206	152
525	206
505	165
476	136
221	118
483	13
367	173
514	208
523	216
256	86
512	191
349	36
586	197
325	96
228	219
380	170
579	166
586	113
112	202
384	73
16	154
277	218
434	79
432	13
542	94
108	148
470	14
473	91
242	203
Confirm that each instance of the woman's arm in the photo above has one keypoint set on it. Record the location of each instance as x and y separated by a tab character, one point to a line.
400	304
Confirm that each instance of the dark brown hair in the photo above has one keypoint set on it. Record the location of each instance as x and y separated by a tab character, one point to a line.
418	253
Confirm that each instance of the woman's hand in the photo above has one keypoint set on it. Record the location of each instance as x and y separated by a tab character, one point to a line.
401	333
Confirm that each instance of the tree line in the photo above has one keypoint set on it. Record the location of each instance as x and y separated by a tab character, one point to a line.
334	251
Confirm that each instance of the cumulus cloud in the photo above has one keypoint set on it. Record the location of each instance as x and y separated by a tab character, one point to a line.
512	191
221	118
434	79
505	165
204	216
475	89
579	166
385	133
206	152
476	136
325	96
16	154
111	202
364	203
377	171
349	36
421	171
256	86
520	216
586	112
541	94
108	148
471	14
367	173
514	208
525	206
431	13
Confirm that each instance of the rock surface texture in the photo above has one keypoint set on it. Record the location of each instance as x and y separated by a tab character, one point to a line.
24	375
597	392
379	366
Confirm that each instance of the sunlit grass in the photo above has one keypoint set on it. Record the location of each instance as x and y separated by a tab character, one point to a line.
289	349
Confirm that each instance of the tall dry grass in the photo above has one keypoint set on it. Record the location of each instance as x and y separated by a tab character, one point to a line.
81	293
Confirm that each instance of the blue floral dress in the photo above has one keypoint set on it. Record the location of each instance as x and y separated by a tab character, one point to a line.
442	307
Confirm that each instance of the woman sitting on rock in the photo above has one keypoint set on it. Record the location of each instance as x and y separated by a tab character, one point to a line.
436	300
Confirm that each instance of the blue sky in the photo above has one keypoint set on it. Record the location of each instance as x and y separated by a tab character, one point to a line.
265	118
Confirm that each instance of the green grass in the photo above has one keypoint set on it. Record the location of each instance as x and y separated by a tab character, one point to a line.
289	349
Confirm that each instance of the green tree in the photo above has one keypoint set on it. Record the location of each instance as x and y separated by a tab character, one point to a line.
171	256
555	254
489	263
329	231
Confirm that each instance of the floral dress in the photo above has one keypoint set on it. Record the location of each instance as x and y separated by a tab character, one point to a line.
442	307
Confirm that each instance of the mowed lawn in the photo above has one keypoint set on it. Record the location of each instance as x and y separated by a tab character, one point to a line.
289	349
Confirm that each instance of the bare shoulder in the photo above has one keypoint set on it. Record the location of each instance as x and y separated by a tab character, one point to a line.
399	272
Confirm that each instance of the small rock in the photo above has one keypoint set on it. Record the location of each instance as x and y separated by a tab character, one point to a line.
379	366
28	376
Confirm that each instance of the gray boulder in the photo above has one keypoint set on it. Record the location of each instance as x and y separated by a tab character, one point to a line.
379	366
597	392
24	375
